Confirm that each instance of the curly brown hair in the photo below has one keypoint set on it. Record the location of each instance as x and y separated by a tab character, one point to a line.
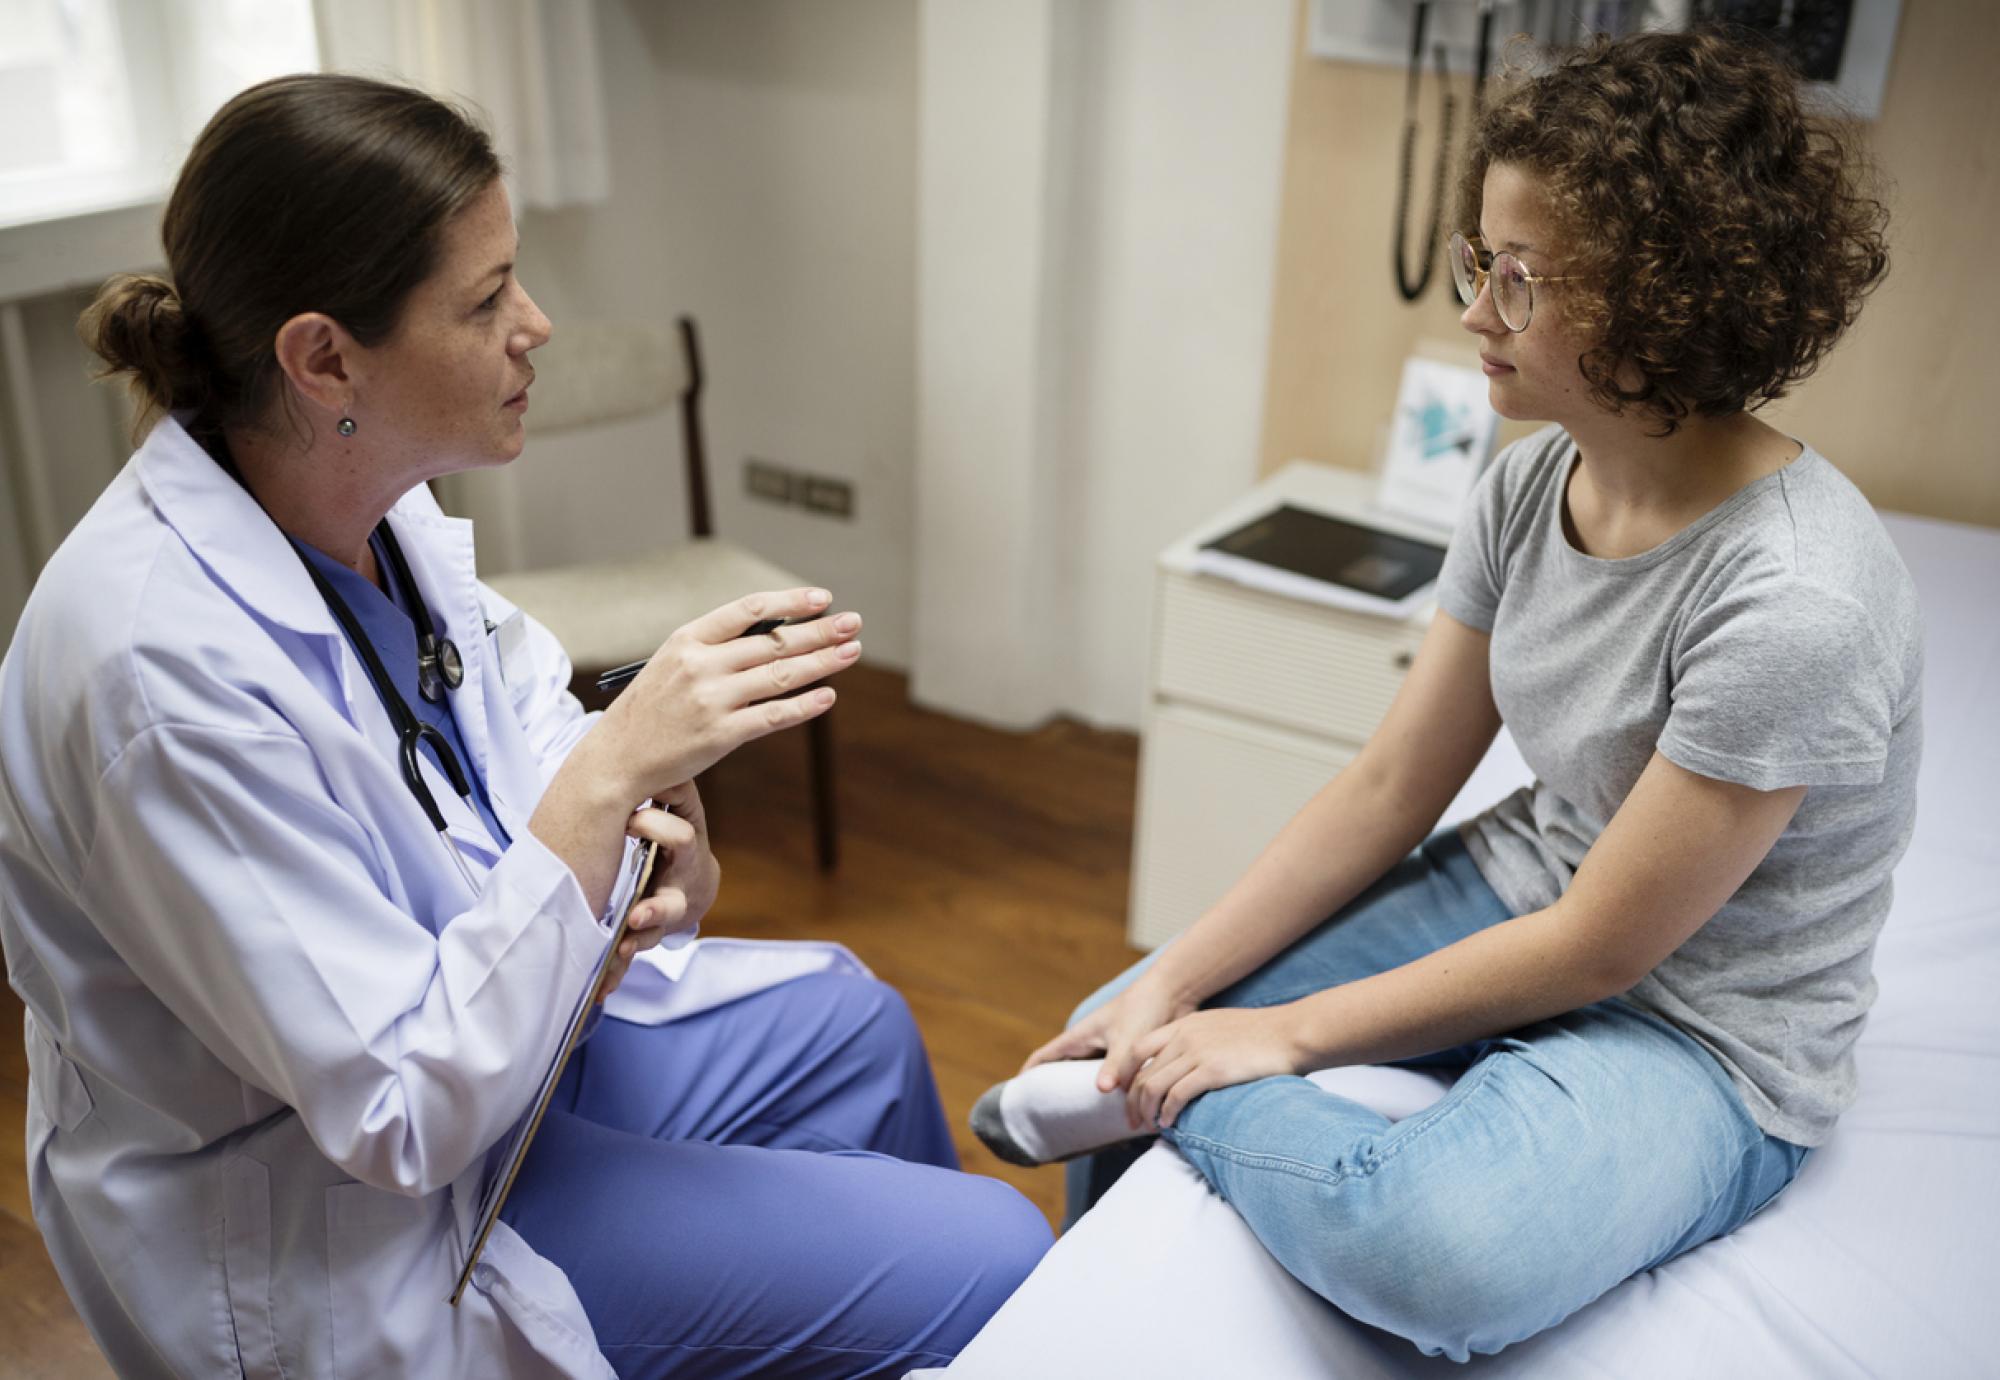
1724	234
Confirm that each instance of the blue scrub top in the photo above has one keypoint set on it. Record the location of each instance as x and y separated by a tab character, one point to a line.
393	632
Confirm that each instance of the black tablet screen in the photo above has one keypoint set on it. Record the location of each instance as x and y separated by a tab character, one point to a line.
1336	551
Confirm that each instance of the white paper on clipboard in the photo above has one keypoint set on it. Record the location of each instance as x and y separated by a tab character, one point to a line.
502	1179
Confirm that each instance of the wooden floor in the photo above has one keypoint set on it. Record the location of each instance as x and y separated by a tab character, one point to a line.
983	874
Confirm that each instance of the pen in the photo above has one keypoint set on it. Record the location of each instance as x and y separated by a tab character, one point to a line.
618	676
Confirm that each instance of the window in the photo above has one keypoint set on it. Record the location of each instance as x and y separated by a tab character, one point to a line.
101	98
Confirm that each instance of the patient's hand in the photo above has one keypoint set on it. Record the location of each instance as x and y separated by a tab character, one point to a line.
1115	1029
1209	1050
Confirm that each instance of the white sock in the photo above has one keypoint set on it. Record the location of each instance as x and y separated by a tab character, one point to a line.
1052	1112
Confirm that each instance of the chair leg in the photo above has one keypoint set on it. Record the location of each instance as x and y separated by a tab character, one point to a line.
819	742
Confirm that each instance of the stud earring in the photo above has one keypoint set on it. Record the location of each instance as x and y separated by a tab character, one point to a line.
345	426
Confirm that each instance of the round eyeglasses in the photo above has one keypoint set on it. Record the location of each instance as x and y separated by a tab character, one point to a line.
1513	287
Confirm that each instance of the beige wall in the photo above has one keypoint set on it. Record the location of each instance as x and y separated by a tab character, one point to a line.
1901	406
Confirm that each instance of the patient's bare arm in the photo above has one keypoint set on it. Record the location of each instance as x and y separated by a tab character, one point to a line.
1350	833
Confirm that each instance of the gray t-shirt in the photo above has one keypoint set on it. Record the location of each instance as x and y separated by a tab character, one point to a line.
1775	642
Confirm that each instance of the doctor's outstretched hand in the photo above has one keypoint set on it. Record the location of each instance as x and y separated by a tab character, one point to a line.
708	689
705	692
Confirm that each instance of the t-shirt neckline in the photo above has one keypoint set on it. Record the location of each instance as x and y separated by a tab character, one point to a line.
1647	559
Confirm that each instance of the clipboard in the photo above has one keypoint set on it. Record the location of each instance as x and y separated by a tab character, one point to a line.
503	1181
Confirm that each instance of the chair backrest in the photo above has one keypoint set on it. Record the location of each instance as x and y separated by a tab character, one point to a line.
593	372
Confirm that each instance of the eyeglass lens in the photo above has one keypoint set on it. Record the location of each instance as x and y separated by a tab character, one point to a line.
1513	293
1464	269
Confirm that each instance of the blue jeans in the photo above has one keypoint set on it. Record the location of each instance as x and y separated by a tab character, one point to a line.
769	1188
1566	1156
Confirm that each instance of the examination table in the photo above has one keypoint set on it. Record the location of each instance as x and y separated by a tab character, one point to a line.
1882	1259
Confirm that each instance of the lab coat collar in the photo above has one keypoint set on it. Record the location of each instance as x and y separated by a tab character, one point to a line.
237	541
228	532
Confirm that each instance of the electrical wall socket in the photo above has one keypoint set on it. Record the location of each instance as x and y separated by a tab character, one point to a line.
831	496
762	479
775	483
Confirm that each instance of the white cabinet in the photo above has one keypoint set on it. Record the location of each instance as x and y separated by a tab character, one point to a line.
1255	701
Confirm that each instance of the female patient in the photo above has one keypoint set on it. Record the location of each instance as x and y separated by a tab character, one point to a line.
1646	971
305	851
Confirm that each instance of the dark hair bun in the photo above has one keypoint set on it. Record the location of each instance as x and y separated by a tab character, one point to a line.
139	329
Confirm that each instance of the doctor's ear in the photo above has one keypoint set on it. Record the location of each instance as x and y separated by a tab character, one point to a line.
314	352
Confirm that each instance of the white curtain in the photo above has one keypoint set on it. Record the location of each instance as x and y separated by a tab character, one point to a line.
530	67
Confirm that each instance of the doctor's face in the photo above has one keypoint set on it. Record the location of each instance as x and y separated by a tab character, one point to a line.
448	389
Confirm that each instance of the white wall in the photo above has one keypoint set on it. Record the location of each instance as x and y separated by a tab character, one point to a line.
1098	208
1182	130
763	171
996	537
1103	360
1072	203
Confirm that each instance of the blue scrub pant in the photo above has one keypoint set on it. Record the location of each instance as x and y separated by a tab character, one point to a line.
1567	1156
769	1188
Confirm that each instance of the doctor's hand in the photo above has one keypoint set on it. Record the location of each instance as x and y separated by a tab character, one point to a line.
685	878
709	689
706	692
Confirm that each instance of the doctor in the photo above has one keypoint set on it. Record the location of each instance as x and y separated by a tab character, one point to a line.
306	855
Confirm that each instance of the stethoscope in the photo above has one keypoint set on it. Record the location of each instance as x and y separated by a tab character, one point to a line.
1411	284
439	665
439	669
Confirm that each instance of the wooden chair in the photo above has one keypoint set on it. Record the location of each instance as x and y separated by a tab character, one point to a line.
615	612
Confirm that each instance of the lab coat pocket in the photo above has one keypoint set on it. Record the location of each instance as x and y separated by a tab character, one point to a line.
246	1264
383	1249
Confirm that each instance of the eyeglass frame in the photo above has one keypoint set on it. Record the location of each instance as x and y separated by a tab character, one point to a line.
1483	272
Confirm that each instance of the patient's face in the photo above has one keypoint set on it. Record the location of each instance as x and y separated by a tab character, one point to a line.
1532	375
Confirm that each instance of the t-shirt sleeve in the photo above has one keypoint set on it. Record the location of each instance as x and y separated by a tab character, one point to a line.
1781	683
1469	585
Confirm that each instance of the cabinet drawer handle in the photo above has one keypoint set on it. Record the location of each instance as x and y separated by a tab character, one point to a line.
1404	659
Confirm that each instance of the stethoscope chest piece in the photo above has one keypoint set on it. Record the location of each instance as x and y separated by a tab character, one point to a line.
439	668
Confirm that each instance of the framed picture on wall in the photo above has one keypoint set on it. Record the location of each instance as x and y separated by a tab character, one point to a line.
1439	439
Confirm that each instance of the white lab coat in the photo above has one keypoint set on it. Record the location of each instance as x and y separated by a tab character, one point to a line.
271	1034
